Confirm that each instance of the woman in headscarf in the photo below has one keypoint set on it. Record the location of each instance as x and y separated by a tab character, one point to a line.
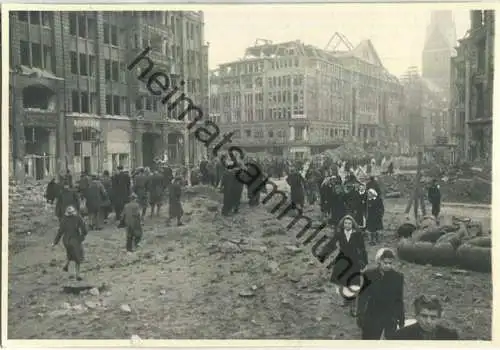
374	215
73	231
352	257
381	303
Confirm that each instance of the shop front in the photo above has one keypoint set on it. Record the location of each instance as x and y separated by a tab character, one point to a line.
119	149
87	145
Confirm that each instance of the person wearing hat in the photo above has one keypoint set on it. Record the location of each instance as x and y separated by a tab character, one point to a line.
381	302
132	221
72	230
374	215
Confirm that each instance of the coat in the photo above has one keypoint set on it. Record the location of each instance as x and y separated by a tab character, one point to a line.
374	214
415	332
350	260
52	191
73	231
132	215
121	187
434	194
174	197
297	183
65	198
156	188
96	196
336	203
382	301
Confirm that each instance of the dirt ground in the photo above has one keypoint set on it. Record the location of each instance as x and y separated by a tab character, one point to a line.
241	277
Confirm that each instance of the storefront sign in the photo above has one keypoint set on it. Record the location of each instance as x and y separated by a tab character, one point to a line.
87	123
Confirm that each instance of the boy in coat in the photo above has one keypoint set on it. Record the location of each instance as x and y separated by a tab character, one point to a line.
434	196
131	217
380	305
73	232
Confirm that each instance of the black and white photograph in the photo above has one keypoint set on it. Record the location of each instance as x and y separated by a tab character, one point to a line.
248	172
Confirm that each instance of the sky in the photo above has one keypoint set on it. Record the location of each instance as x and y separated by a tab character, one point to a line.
396	31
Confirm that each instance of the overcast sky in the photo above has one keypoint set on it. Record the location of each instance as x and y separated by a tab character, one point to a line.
397	32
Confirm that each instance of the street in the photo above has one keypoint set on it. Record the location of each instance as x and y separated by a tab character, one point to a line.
240	277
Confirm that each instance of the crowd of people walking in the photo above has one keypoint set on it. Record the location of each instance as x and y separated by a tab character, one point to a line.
354	209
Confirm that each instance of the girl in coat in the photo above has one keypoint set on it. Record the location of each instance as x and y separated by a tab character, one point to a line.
352	257
73	231
374	215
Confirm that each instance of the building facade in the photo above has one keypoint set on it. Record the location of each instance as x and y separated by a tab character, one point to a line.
472	75
295	99
75	105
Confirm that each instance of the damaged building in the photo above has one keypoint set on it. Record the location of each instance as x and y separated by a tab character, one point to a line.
296	99
74	104
472	77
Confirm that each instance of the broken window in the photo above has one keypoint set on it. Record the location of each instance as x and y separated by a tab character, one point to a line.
74	62
72	23
107	69
83	65
92	28
109	103
47	58
38	97
75	99
116	105
82	26
114	35
46	18
114	71
35	17
36	54
25	53
93	103
92	66
85	102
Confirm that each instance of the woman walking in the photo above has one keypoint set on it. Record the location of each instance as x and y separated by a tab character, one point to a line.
351	258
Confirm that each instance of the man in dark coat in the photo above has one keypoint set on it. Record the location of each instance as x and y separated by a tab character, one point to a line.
156	189
227	188
175	205
434	196
95	197
121	192
381	303
108	186
141	185
297	187
374	215
254	186
52	191
337	203
237	186
428	311
83	184
205	177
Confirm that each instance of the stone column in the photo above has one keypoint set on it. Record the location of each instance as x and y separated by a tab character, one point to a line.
52	153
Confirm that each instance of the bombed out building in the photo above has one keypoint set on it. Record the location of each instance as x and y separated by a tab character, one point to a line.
75	105
295	99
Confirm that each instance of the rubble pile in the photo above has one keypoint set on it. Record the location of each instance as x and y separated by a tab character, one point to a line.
28	210
462	190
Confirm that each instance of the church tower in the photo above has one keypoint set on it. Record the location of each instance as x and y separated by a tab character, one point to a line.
439	48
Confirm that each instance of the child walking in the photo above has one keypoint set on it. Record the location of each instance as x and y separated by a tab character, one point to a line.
131	216
73	232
